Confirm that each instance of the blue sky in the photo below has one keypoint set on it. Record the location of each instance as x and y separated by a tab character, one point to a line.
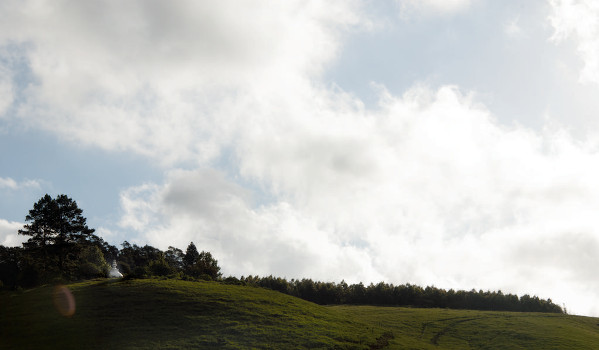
452	143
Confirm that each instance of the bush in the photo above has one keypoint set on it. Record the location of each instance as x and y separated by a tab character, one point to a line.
233	280
205	277
159	267
139	272
124	268
92	263
91	270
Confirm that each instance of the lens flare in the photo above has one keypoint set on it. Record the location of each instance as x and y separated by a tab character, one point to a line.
64	301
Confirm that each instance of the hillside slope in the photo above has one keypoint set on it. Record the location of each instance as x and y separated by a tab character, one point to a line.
467	329
173	314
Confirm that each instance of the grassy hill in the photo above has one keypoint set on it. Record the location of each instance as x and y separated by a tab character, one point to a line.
172	314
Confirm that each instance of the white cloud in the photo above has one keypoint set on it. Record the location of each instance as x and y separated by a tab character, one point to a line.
579	20
158	79
427	189
11	184
107	234
432	7
6	93
216	214
137	208
512	28
8	233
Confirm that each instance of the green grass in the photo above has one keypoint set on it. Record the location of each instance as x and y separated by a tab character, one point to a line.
467	329
171	314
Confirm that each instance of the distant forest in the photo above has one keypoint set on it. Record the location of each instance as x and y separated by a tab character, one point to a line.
62	249
384	294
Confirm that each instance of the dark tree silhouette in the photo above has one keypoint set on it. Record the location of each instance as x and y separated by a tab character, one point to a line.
200	265
58	234
55	221
62	248
174	258
191	256
208	265
10	258
135	260
401	295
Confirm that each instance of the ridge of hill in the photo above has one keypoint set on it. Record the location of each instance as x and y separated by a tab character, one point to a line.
175	314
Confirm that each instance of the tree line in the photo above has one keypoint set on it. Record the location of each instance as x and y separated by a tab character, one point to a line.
141	262
62	248
384	294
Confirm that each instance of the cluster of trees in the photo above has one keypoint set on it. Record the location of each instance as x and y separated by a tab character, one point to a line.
147	261
61	248
401	295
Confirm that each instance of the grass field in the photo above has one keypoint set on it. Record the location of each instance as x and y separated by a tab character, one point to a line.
467	329
171	314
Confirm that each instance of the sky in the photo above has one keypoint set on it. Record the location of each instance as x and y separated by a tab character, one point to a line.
452	143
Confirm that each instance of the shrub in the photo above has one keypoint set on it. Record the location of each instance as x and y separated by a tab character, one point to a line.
90	270
205	277
233	280
124	268
159	267
139	272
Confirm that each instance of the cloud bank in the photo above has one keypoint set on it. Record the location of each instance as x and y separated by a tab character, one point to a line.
410	8
158	79
579	20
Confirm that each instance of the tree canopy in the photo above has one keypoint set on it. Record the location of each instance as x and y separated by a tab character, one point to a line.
60	246
55	221
200	264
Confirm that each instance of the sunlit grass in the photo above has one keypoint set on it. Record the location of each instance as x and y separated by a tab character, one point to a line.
172	314
467	329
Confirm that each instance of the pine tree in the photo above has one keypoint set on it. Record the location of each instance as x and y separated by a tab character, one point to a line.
55	222
58	233
191	257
